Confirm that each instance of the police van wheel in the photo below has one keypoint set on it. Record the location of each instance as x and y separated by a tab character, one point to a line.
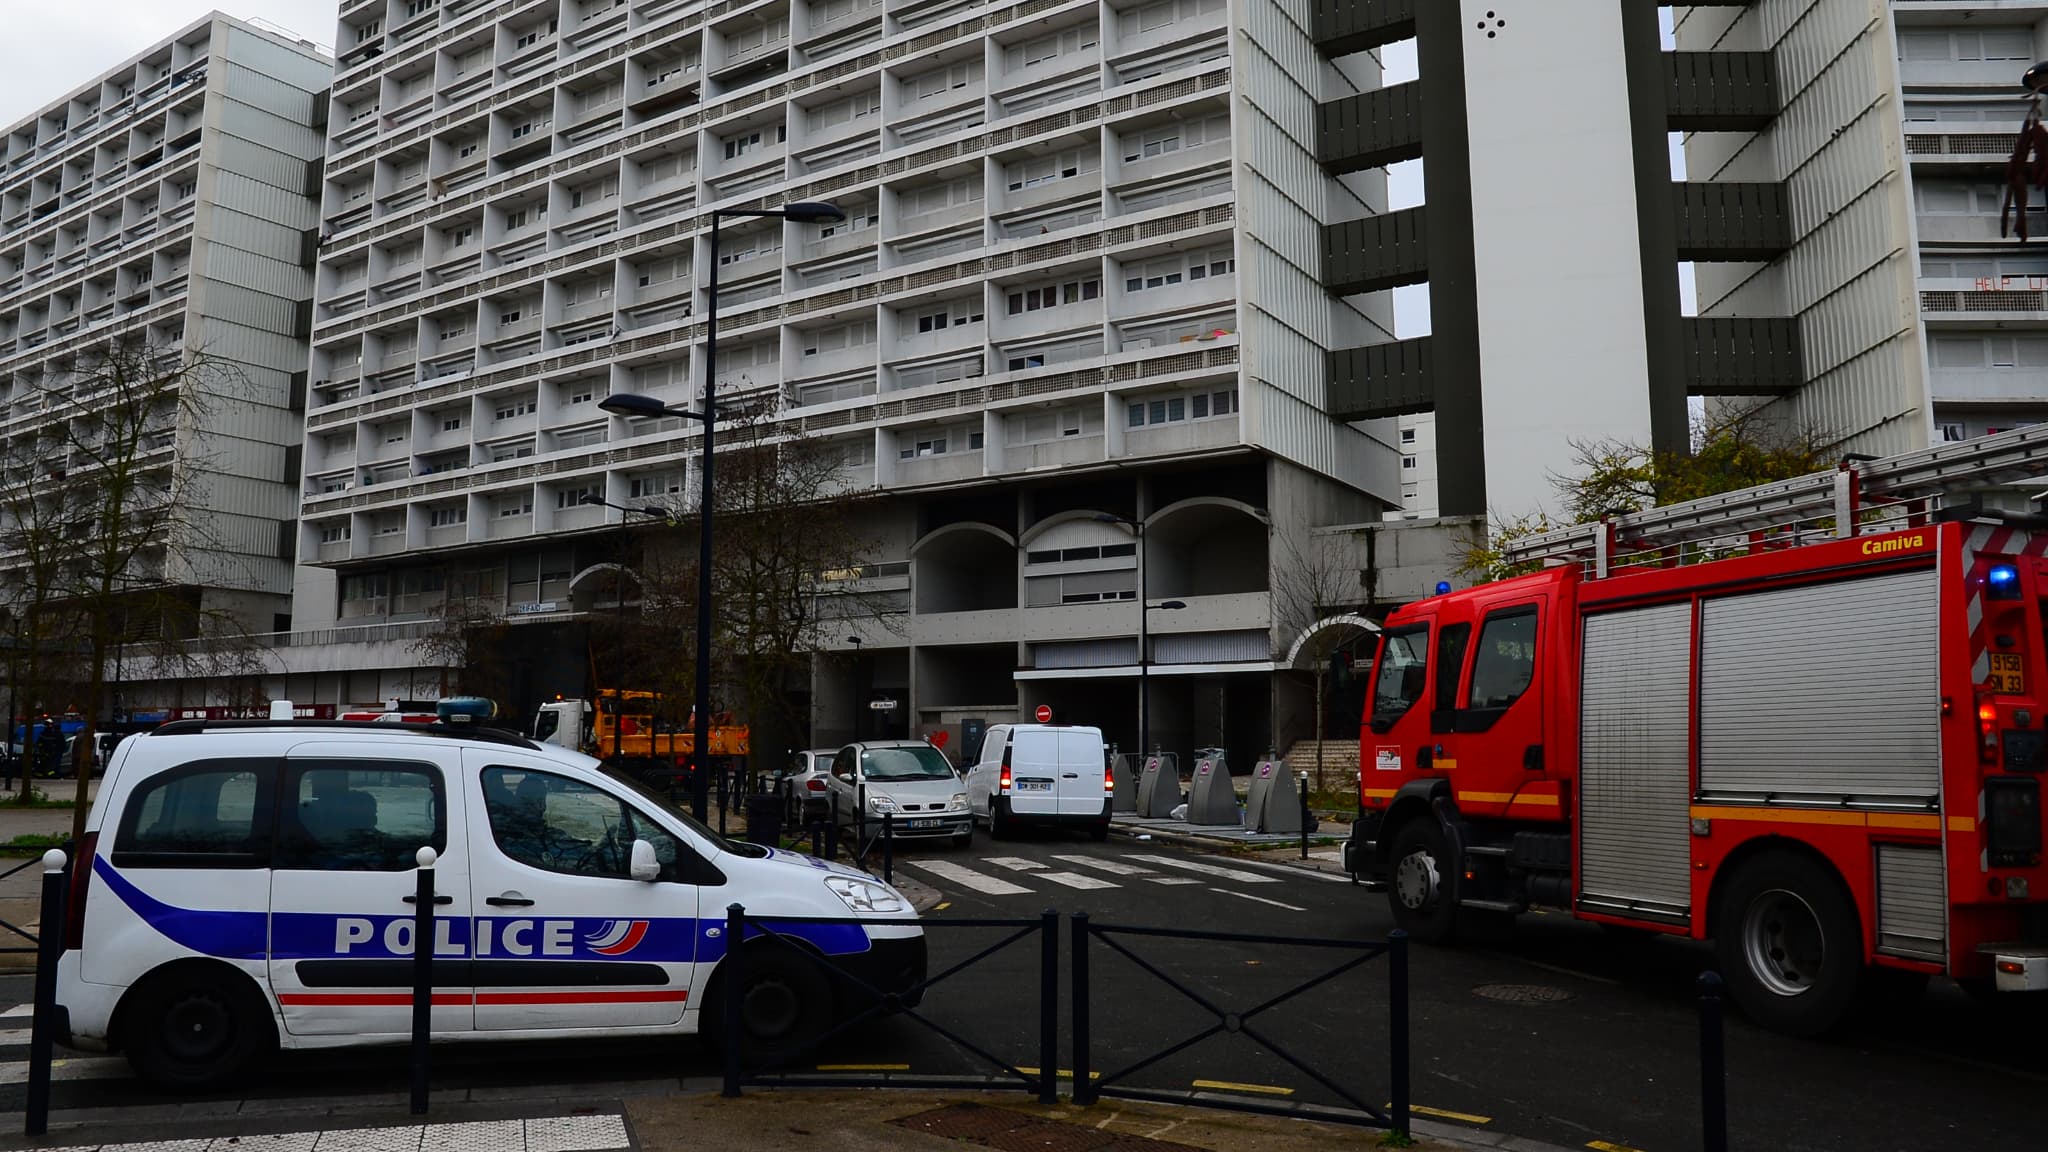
998	827
1789	945
1423	886
784	1001
196	1029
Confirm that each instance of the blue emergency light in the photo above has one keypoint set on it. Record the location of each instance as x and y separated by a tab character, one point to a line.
2003	575
1443	587
465	710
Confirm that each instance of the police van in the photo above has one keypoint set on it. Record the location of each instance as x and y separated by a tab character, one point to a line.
249	885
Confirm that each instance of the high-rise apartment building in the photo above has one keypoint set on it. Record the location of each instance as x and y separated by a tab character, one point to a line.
1079	275
171	204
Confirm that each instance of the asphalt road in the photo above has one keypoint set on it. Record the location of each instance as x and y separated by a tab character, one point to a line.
1558	1033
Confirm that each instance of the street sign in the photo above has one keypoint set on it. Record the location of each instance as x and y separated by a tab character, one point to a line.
884	705
1044	713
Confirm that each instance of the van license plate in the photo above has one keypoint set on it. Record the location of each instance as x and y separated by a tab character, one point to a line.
1034	785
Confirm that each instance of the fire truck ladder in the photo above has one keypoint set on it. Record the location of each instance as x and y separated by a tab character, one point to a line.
1860	496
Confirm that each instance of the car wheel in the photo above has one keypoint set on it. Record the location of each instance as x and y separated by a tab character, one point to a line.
1099	832
196	1029
998	827
1789	945
1423	889
785	1001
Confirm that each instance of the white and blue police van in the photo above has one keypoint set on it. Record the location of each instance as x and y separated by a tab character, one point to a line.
249	885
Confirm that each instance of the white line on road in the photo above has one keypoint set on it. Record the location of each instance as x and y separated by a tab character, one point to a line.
20	1010
1296	870
1260	899
1076	880
75	1068
1013	863
968	878
14	1036
1241	877
1116	868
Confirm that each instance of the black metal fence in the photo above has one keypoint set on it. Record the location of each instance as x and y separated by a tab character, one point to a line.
12	929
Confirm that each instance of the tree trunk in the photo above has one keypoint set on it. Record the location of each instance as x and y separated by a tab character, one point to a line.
1321	666
95	690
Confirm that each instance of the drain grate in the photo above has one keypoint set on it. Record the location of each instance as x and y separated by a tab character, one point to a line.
1522	993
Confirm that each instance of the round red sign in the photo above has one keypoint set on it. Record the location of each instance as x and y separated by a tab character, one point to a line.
1045	713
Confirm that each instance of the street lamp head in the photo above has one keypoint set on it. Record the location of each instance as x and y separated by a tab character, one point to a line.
813	212
632	404
1170	605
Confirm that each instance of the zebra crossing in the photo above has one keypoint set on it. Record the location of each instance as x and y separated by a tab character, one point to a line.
1023	876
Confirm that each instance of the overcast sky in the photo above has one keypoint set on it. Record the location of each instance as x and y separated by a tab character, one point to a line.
53	46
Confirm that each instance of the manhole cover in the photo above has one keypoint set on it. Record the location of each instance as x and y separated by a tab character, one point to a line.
1522	993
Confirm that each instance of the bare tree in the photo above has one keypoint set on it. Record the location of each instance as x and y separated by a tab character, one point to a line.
33	522
1310	585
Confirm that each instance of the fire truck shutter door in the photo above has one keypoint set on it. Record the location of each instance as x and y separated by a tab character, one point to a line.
1635	846
1912	905
1826	691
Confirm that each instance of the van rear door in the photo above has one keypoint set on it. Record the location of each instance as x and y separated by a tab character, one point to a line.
1035	772
1082	767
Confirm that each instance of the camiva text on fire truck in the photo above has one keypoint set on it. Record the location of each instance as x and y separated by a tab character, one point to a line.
1822	751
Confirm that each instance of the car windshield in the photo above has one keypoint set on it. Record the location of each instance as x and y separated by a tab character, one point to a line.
902	765
659	798
1404	658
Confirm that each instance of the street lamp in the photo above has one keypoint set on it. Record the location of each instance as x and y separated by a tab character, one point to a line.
853	689
623	673
1145	610
632	404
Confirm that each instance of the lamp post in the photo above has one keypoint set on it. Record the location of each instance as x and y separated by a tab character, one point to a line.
1145	609
632	404
853	690
621	673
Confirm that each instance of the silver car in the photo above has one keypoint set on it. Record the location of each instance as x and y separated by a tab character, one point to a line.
908	780
806	777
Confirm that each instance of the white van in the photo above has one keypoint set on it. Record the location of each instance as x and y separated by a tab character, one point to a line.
250	885
1042	774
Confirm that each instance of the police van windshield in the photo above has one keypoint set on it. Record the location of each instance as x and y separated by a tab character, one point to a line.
659	798
1404	661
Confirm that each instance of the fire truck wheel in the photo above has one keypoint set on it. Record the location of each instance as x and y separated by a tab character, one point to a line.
1789	945
1423	889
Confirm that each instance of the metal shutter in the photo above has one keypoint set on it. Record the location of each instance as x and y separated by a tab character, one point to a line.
1912	908
1826	691
1634	776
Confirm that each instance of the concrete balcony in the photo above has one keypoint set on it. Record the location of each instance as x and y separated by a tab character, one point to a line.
1062	453
954	339
588	310
1989	386
1173	33
1082	188
1173	298
831	363
332	551
1173	163
839	245
581	516
2004	302
447	535
995	626
385	545
952	467
1176	438
1082	621
750	268
510	527
1941	228
1228	612
943	218
1962	147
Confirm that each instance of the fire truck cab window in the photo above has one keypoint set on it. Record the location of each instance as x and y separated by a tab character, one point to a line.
1505	662
1450	661
1403	668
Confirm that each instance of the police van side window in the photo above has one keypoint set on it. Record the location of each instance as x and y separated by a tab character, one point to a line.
349	816
558	824
209	814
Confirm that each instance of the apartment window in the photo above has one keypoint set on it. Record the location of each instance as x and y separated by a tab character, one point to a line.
1037	170
938	81
1041	427
451	424
370	31
577	497
593	192
520	505
410	87
956	316
1990	44
503	452
934	446
1407	435
581	393
1166	270
468	149
511	317
420	7
666	167
449	516
1952	431
658	484
529	128
518	218
333	533
920	201
1147	143
389	527
581	438
663	271
1054	295
350	193
746	40
745	142
459	236
1046	49
1161	13
840	337
186	189
854	107
599	96
471	61
533	35
410	171
1991	352
512	409
400	255
331	484
1184	406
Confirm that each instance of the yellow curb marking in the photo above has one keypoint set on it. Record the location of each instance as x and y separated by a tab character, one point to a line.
1604	1146
1230	1086
1445	1114
1062	1073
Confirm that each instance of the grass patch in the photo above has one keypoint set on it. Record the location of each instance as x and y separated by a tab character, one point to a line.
37	798
33	843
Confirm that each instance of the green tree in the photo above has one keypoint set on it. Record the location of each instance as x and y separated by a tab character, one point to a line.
1730	450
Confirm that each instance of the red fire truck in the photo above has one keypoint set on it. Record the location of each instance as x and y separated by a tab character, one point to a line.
1805	721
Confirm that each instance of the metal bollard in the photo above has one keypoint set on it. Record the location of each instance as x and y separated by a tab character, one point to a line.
734	984
860	832
49	950
1713	1066
1048	1006
422	977
1397	1026
1084	1084
832	829
888	847
1304	814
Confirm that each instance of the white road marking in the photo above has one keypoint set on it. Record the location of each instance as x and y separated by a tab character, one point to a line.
73	1068
20	1010
1117	868
1260	899
14	1036
968	878
1241	877
1293	870
1013	863
1076	880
